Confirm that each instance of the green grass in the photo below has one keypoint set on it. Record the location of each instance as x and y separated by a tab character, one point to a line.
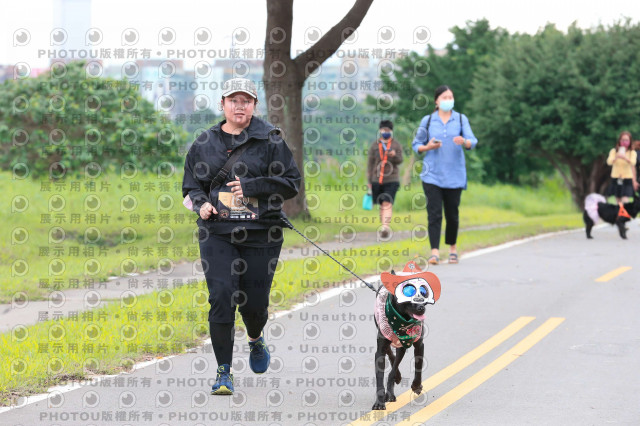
39	357
111	339
106	340
97	244
550	198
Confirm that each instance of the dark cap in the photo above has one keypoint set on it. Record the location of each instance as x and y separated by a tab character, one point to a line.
386	123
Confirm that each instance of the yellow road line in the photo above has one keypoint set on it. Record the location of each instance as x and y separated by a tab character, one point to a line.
483	375
445	373
611	275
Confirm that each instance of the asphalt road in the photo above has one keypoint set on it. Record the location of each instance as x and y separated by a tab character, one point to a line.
544	332
59	304
25	312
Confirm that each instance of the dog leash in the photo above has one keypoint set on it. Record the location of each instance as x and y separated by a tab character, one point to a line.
290	226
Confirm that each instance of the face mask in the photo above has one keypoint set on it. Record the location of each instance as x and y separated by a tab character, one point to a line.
446	105
624	143
385	135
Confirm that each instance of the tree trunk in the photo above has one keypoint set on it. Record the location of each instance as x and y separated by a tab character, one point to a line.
408	170
600	173
589	178
290	119
582	179
284	77
579	177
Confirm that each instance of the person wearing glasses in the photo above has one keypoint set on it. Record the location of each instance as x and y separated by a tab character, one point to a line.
240	233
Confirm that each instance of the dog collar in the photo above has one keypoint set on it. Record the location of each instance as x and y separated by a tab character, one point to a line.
405	329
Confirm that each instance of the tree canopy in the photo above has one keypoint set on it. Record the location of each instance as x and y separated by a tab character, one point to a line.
66	122
561	99
415	77
552	100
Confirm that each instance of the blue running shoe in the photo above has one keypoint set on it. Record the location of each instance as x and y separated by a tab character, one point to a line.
224	381
259	358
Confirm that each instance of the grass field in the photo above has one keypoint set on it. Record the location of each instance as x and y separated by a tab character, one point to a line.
111	339
114	337
71	234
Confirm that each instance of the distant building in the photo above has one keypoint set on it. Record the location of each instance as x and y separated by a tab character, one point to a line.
437	52
159	77
71	22
6	72
224	69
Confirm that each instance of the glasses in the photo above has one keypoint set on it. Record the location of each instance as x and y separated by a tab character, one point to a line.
240	103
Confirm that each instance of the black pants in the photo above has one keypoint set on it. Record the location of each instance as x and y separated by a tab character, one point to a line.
238	276
436	198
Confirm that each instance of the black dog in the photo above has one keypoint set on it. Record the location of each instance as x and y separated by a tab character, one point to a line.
399	317
610	213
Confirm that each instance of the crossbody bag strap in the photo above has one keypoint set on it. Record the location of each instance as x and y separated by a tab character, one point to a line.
429	123
224	171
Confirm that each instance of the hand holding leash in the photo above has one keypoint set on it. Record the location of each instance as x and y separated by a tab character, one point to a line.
207	210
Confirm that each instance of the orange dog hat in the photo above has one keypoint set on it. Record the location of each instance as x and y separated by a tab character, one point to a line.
412	284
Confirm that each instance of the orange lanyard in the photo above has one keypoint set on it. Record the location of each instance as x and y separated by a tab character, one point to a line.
383	157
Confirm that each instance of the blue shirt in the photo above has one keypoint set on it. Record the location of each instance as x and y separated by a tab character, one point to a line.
445	166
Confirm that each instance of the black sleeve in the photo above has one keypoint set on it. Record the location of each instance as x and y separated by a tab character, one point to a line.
283	177
191	185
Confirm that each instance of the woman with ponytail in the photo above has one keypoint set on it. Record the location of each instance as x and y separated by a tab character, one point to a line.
443	136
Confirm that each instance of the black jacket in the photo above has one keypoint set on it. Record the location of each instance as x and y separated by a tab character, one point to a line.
270	175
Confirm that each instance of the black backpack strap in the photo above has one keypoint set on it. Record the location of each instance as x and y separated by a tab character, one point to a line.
428	124
224	171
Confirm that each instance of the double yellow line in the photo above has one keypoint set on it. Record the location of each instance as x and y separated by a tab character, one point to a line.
474	381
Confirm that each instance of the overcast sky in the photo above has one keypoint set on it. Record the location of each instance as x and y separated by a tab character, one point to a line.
402	17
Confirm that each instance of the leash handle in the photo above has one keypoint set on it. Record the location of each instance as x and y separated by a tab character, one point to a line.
290	226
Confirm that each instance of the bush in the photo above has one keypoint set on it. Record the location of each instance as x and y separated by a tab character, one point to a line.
64	121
